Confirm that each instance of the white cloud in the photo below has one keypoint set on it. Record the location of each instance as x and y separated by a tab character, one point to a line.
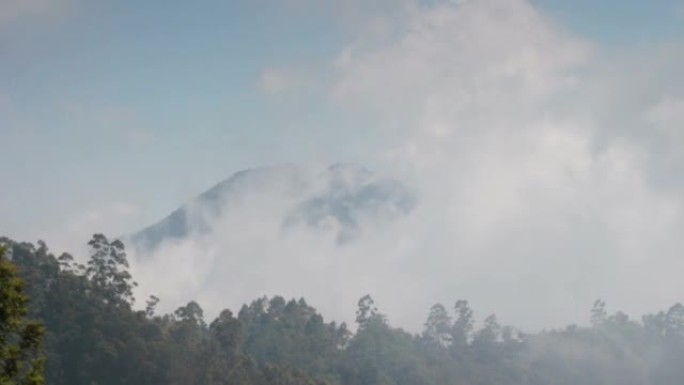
532	203
466	56
525	199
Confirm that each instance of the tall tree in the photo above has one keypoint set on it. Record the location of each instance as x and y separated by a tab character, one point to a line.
21	360
108	270
598	313
461	329
367	312
438	326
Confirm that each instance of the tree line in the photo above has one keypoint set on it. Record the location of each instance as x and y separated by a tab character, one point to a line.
92	334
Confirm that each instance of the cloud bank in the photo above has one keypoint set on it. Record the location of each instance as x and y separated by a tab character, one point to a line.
539	163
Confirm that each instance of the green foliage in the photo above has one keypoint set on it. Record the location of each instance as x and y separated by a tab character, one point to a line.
94	336
108	273
21	361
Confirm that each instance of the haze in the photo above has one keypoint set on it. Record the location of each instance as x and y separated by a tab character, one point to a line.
544	142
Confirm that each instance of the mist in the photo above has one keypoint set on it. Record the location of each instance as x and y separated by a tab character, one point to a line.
547	172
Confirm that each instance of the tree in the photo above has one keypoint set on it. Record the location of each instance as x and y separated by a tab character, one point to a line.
675	320
227	331
367	312
461	329
598	313
151	306
438	326
192	313
21	360
108	270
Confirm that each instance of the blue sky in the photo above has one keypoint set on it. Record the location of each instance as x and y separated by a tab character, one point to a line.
150	103
146	99
619	22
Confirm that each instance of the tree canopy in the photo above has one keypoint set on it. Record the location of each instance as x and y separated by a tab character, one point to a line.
96	336
21	362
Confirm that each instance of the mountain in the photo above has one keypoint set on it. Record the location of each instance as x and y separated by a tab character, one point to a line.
337	199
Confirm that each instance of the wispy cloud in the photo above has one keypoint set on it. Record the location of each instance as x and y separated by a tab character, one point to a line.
277	81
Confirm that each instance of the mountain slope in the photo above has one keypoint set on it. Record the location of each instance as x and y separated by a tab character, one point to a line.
337	199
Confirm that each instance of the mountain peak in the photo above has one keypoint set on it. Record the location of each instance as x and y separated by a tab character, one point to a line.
336	199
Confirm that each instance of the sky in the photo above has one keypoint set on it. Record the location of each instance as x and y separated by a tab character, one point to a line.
547	131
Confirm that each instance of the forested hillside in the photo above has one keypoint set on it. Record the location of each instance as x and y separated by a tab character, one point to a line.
94	336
